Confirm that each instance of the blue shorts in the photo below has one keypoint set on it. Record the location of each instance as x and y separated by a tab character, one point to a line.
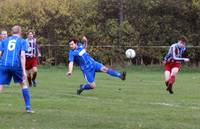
7	73
89	74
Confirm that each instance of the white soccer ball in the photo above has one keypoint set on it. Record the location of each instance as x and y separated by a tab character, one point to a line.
130	53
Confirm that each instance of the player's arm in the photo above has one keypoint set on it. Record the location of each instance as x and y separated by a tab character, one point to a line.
71	63
23	62
166	58
24	50
85	41
174	56
1	48
70	68
38	51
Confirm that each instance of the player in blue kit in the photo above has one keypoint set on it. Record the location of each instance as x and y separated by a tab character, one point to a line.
12	53
87	64
3	35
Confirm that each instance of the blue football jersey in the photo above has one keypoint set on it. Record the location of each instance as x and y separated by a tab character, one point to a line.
81	57
11	48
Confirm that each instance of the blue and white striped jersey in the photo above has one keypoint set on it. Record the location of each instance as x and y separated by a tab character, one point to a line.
175	53
32	48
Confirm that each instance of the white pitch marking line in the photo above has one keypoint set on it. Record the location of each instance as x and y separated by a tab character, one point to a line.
81	96
176	105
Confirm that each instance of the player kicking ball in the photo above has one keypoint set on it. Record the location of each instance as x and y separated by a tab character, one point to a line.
172	62
88	65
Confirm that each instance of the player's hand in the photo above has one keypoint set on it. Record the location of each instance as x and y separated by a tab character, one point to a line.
68	74
24	76
164	62
39	55
186	60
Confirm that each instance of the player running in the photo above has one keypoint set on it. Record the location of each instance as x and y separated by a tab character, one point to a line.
88	65
12	53
32	59
172	62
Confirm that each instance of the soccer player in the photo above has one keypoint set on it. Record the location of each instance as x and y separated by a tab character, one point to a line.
4	34
12	52
172	62
32	59
88	65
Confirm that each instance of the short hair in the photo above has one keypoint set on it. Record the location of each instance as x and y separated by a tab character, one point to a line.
16	29
73	39
4	32
31	31
183	38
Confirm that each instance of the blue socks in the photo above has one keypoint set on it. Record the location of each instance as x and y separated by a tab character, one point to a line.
113	73
86	87
26	97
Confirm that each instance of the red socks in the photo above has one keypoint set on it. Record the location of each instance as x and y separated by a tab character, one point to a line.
171	80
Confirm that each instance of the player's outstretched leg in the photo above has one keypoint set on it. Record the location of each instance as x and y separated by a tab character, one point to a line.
114	73
85	87
123	75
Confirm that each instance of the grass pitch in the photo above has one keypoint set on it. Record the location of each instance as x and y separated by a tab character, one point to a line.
140	102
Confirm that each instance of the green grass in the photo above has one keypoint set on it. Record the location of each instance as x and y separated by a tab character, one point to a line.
141	102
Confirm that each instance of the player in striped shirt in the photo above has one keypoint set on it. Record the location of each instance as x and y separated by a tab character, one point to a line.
32	58
12	53
172	62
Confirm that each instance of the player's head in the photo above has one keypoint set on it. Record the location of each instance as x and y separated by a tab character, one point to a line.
181	42
30	34
84	39
73	43
16	30
4	34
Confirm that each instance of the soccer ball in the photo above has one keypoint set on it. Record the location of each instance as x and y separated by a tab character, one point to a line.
130	53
